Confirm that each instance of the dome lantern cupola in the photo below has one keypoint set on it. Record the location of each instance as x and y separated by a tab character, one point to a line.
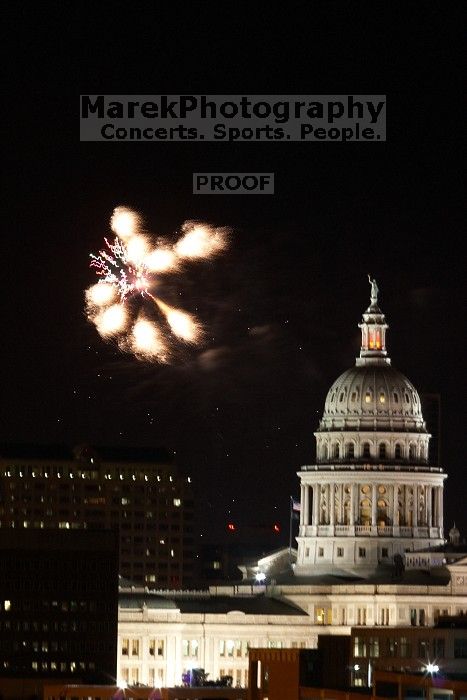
373	327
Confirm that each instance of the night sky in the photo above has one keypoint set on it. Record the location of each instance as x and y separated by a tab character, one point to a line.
283	304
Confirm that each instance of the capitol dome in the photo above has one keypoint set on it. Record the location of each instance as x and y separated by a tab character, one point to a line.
373	391
372	493
372	411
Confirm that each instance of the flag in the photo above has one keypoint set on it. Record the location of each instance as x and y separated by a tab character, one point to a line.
295	505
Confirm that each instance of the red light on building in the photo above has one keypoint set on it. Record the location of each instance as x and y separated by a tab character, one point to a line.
231	527
276	528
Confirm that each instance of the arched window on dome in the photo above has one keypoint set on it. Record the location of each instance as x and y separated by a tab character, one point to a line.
368	396
350	450
412	452
366	449
324	451
398	451
396	397
382	450
336	451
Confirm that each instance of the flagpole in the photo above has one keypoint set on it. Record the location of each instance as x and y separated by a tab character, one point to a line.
290	530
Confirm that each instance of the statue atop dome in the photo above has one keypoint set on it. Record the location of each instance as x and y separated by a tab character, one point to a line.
374	291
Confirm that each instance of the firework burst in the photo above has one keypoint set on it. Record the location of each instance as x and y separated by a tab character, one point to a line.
130	267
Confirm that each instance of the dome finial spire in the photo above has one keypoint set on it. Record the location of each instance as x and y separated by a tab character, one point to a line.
374	291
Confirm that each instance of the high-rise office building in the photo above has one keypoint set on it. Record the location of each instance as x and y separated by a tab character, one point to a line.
137	492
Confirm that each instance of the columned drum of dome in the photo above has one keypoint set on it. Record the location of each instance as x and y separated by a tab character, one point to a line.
372	493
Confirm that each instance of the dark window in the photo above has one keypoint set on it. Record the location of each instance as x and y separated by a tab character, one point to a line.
405	648
460	648
438	647
423	648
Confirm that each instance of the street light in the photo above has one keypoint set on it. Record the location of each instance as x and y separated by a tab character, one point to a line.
432	668
260	577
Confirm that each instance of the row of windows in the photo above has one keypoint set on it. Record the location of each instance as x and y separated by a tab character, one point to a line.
52	605
233	648
45	646
57	666
382	452
340	552
382	396
73	626
16	470
402	647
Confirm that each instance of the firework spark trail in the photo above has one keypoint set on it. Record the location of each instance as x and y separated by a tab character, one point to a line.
127	269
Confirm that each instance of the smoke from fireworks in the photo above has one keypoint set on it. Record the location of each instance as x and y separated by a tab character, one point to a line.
129	267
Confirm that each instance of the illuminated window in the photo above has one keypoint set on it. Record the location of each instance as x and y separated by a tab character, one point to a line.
7	605
373	647
382	398
368	397
378	340
156	647
323	616
135	647
359	648
177	502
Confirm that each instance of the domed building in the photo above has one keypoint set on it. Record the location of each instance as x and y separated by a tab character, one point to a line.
371	494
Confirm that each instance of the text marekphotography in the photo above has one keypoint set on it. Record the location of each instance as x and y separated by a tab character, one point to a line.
230	118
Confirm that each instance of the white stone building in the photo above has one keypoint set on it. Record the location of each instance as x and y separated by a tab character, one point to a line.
164	634
371	495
